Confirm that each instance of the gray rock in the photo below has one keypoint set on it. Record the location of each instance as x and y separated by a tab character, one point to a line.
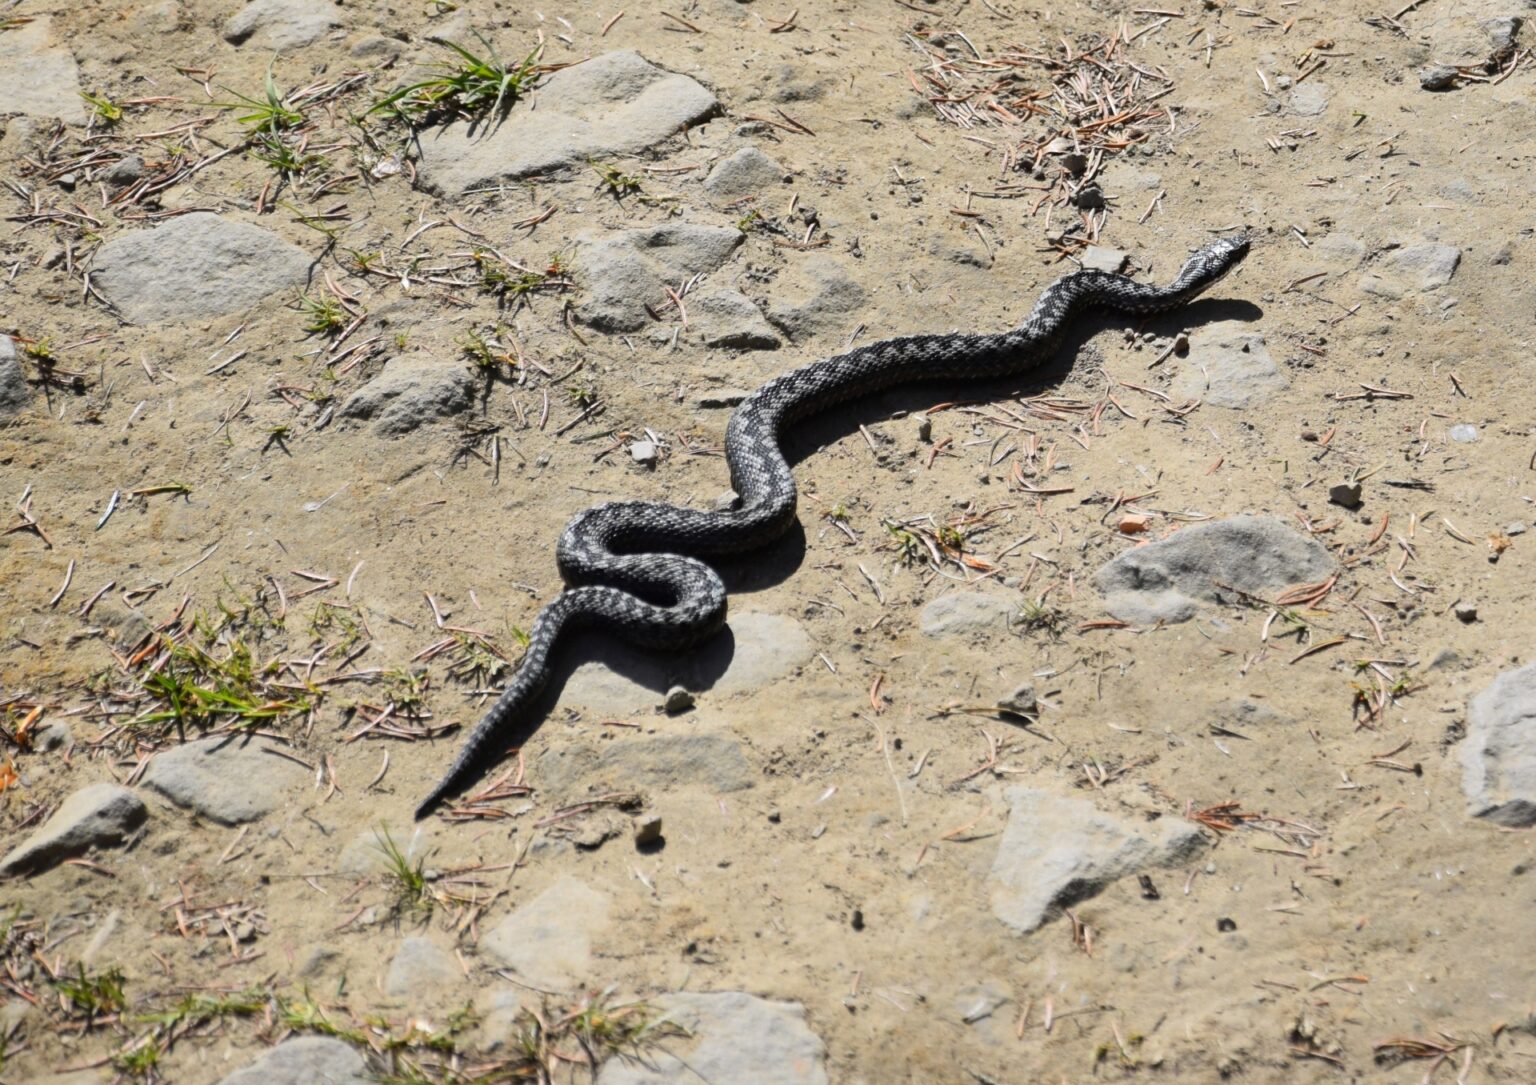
306	1060
419	967
14	393
500	1012
195	267
679	699
1164	580
1498	756
819	297
643	453
1099	258
761	648
728	319
1057	851
94	816
411	391
1228	366
1021	702
744	173
1438	77
124	171
376	45
616	103
623	273
732	1037
965	612
39	80
1309	99
1412	269
648	832
281	24
1465	611
228	780
1464	433
1502	32
548	941
1346	495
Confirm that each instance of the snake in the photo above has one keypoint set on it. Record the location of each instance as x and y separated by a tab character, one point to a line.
636	568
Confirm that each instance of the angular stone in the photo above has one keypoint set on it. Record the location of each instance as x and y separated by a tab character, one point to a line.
14	393
732	1037
95	816
759	649
1099	258
1310	99
306	1060
1412	269
1164	580
818	298
746	172
194	267
420	967
281	24
1498	756
1058	851
1228	366
548	941
624	273
965	612
228	780
616	103
39	79
728	319
411	391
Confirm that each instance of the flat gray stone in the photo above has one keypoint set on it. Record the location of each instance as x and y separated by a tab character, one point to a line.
761	648
1498	756
1310	99
1165	580
306	1060
411	391
728	319
420	967
1340	248
963	613
95	816
733	1037
548	941
1058	851
746	172
194	267
1413	269
616	103
818	297
40	80
227	780
15	395
281	24
624	273
1099	258
1228	366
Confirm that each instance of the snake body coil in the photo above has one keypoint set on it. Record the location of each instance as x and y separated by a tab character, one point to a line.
633	567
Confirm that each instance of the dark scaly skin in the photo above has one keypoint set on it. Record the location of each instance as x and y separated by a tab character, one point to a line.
630	565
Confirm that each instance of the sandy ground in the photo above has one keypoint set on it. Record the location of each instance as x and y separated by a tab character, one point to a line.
852	875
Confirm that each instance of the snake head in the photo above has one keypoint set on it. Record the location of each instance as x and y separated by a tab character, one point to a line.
1212	262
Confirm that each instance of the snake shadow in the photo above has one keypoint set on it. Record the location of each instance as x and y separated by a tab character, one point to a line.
699	668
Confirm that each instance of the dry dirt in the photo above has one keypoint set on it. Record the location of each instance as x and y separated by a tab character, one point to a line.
852	875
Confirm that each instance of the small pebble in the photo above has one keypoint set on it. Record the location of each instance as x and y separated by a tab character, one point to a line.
1021	702
1438	77
643	453
648	832
1466	612
1464	434
1346	494
925	430
678	700
1516	528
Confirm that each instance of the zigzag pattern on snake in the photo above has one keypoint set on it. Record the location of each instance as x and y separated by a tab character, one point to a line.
633	566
